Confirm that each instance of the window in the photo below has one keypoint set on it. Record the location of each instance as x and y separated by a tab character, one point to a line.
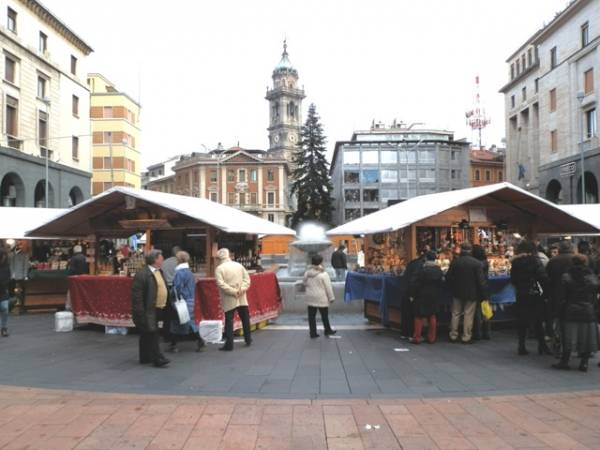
427	174
553	58
585	34
389	157
270	175
524	93
412	156
371	195
253	198
10	69
536	85
523	65
454	174
43	129
254	175
213	197
453	153
426	156
242	196
499	175
351	157
231	175
12	121
351	176
488	175
242	175
271	198
41	87
512	101
75	106
75	148
43	43
370	176
518	67
213	176
107	112
11	20
529	57
590	123
553	100
107	137
588	81
370	157
388	194
271	217
73	65
512	71
389	176
351	213
231	198
352	195
553	141
477	175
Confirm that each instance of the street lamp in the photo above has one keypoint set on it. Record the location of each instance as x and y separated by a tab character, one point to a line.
580	97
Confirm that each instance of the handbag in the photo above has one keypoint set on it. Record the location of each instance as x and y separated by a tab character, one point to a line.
486	310
181	308
536	289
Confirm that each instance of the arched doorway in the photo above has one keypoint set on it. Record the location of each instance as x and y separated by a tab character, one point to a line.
12	190
75	196
554	192
39	196
591	189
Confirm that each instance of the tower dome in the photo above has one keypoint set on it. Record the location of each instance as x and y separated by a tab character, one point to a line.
284	66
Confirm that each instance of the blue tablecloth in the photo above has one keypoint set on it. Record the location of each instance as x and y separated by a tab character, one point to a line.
388	290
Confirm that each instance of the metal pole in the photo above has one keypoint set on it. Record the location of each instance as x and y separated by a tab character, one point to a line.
582	161
46	187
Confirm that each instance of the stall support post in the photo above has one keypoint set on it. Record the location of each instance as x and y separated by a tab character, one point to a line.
148	244
94	265
209	256
413	242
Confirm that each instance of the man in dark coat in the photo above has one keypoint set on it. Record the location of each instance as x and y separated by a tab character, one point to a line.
78	264
426	291
466	281
339	262
407	316
556	268
149	297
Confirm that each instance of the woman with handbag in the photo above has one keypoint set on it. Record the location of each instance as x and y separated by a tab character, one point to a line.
319	295
530	280
579	291
4	291
184	288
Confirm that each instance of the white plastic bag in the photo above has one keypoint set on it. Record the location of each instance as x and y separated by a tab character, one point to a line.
63	321
182	311
211	330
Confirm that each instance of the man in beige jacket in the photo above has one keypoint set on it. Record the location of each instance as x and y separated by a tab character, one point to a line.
233	281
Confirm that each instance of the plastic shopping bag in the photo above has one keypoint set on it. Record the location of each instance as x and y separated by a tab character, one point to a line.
486	310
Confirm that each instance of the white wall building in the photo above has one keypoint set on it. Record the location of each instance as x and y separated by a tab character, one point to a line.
550	103
44	108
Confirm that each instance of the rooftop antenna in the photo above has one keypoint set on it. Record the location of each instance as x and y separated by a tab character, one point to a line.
476	117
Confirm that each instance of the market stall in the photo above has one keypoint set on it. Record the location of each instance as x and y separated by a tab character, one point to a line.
45	284
495	217
197	225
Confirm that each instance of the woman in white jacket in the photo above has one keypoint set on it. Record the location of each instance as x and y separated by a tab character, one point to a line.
319	294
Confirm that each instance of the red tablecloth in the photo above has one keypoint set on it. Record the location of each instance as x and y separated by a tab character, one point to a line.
264	299
102	300
106	300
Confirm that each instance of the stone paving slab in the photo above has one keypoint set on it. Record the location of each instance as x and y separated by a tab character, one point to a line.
282	364
58	419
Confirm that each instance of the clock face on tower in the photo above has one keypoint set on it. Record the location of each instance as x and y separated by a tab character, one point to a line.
276	138
292	138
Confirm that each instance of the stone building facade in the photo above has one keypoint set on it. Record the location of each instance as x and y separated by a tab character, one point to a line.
254	181
44	109
384	165
550	104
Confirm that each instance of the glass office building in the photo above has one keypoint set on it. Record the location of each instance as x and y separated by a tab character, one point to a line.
381	166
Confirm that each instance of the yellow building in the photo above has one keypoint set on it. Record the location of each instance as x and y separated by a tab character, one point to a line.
115	128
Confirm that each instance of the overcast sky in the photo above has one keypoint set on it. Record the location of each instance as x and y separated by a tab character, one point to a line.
201	68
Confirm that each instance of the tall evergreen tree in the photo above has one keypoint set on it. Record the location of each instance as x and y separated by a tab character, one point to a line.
310	175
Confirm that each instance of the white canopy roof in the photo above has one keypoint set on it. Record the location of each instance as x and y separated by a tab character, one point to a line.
588	212
77	221
14	222
400	215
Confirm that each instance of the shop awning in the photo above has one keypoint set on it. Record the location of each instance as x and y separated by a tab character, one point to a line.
15	221
108	213
588	212
551	218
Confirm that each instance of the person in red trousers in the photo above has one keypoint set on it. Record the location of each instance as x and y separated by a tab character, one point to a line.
426	290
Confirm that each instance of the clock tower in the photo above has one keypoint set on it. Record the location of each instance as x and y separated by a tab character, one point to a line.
285	108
